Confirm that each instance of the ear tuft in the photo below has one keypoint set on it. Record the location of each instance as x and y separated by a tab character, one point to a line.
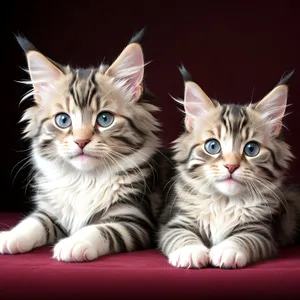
43	71
25	44
138	37
185	74
285	78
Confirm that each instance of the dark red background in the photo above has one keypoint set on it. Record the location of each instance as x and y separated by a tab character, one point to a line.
235	50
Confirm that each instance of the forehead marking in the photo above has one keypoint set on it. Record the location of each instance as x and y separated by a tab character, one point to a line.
83	86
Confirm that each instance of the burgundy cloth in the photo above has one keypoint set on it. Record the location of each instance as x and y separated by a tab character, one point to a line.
140	275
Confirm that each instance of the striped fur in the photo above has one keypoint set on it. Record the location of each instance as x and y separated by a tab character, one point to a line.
100	199
228	220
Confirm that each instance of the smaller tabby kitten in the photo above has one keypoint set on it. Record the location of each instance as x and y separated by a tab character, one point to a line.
94	142
227	205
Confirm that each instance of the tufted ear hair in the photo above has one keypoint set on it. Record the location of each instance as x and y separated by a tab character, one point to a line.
43	72
129	67
196	102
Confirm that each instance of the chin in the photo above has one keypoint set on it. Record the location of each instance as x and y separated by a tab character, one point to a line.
84	163
230	187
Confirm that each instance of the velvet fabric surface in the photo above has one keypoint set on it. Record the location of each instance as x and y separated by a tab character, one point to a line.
141	275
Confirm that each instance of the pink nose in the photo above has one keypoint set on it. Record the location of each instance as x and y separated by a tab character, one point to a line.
82	143
231	168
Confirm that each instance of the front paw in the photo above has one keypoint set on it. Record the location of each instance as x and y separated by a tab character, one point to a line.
193	256
12	242
228	256
73	250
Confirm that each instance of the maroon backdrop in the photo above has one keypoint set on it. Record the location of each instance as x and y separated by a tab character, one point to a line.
235	51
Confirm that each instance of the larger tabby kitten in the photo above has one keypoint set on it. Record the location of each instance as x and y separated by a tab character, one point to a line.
93	137
227	206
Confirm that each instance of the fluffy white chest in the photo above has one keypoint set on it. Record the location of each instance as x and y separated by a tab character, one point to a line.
75	199
219	216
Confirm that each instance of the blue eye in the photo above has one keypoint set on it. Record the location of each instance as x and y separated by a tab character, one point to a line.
63	120
251	149
105	119
212	146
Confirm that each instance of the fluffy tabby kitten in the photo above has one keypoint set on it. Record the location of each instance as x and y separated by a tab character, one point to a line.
227	206
94	138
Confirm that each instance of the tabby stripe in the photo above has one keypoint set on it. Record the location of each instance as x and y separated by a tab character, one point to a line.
73	90
258	246
133	126
68	104
135	169
135	185
176	238
194	167
142	204
61	229
268	172
107	235
127	141
120	241
179	226
93	78
219	132
259	231
45	225
98	100
275	163
93	88
91	94
204	237
247	133
44	144
223	119
245	119
189	155
96	217
40	127
137	240
139	222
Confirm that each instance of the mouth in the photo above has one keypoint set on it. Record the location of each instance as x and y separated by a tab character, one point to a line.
83	155
230	180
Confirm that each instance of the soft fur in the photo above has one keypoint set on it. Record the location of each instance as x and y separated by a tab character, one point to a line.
229	220
94	185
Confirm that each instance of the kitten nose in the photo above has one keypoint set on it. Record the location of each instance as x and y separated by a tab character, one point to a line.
82	142
231	168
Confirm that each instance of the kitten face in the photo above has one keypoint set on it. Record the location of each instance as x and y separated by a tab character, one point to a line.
233	149
90	118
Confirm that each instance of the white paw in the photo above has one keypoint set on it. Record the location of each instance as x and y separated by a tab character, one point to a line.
194	256
73	250
12	242
228	256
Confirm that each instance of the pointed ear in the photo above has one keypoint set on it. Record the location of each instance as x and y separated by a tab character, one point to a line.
196	104
272	107
129	67
43	73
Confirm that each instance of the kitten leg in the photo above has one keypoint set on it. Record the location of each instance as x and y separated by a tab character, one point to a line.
183	247
34	231
118	233
243	248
